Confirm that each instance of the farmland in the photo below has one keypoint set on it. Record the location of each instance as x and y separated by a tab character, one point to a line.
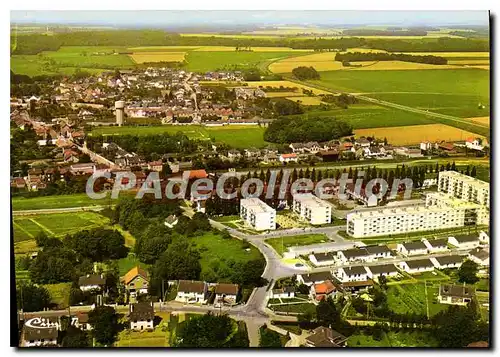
289	84
280	245
145	57
238	136
305	100
414	298
417	133
54	202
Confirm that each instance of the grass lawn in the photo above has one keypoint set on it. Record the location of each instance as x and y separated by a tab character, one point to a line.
127	263
216	250
281	244
293	328
59	294
300	308
59	201
417	298
414	338
483	285
238	136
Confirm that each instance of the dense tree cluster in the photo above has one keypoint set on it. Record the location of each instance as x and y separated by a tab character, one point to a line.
305	73
210	331
30	297
380	56
343	100
288	130
269	338
104	320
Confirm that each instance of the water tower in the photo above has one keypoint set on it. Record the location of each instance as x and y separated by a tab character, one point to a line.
119	108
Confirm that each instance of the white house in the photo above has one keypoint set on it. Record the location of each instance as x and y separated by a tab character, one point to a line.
417	266
357	273
141	316
387	270
287	292
257	214
480	256
225	294
474	144
376	252
191	292
286	158
412	248
91	282
455	294
323	290
464	241
436	245
314	278
352	255
322	259
449	261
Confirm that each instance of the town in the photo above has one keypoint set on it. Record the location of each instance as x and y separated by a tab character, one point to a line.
165	207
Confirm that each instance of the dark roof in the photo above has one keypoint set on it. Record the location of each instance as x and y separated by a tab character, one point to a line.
438	242
355	270
354	253
227	289
414	245
286	289
326	337
457	291
141	311
377	249
466	238
323	257
92	279
191	286
382	269
421	263
354	284
31	333
480	253
450	259
314	277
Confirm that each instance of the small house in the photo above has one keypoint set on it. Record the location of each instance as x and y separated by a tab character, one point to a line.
357	273
191	292
417	266
91	282
412	248
141	316
436	245
322	259
464	241
376	271
286	292
136	281
325	337
448	261
455	294
480	256
226	294
322	290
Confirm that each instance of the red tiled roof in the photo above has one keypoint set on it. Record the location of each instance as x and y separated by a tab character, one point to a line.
196	174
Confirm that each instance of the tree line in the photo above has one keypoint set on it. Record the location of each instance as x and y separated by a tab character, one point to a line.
378	56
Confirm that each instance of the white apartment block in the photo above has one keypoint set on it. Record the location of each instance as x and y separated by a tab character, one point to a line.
257	214
312	209
475	213
464	187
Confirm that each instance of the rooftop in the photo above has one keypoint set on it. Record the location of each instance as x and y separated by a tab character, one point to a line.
382	269
310	199
461	291
191	286
256	205
421	263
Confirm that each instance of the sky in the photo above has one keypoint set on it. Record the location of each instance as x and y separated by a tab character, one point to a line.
231	17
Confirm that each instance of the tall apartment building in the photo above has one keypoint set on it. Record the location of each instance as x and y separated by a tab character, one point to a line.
474	213
312	209
464	187
257	214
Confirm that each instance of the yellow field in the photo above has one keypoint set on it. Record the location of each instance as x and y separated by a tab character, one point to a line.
397	65
254	49
142	57
481	120
306	100
481	67
283	94
451	54
320	61
414	134
472	61
277	84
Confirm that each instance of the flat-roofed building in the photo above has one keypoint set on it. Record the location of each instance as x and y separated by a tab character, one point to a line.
464	187
257	214
312	209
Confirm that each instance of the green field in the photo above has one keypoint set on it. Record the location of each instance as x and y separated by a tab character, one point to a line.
281	244
238	136
414	298
414	338
452	92
59	294
56	224
127	263
204	61
50	202
216	250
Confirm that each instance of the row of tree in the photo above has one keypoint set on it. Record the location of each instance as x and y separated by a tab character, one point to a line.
380	56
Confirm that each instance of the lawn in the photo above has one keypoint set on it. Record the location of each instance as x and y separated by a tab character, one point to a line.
217	250
281	244
49	202
414	338
238	136
59	294
127	263
414	298
297	308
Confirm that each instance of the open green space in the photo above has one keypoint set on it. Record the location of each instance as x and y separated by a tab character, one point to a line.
204	61
418	298
295	308
281	244
217	250
238	136
59	294
452	92
59	201
415	338
127	263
